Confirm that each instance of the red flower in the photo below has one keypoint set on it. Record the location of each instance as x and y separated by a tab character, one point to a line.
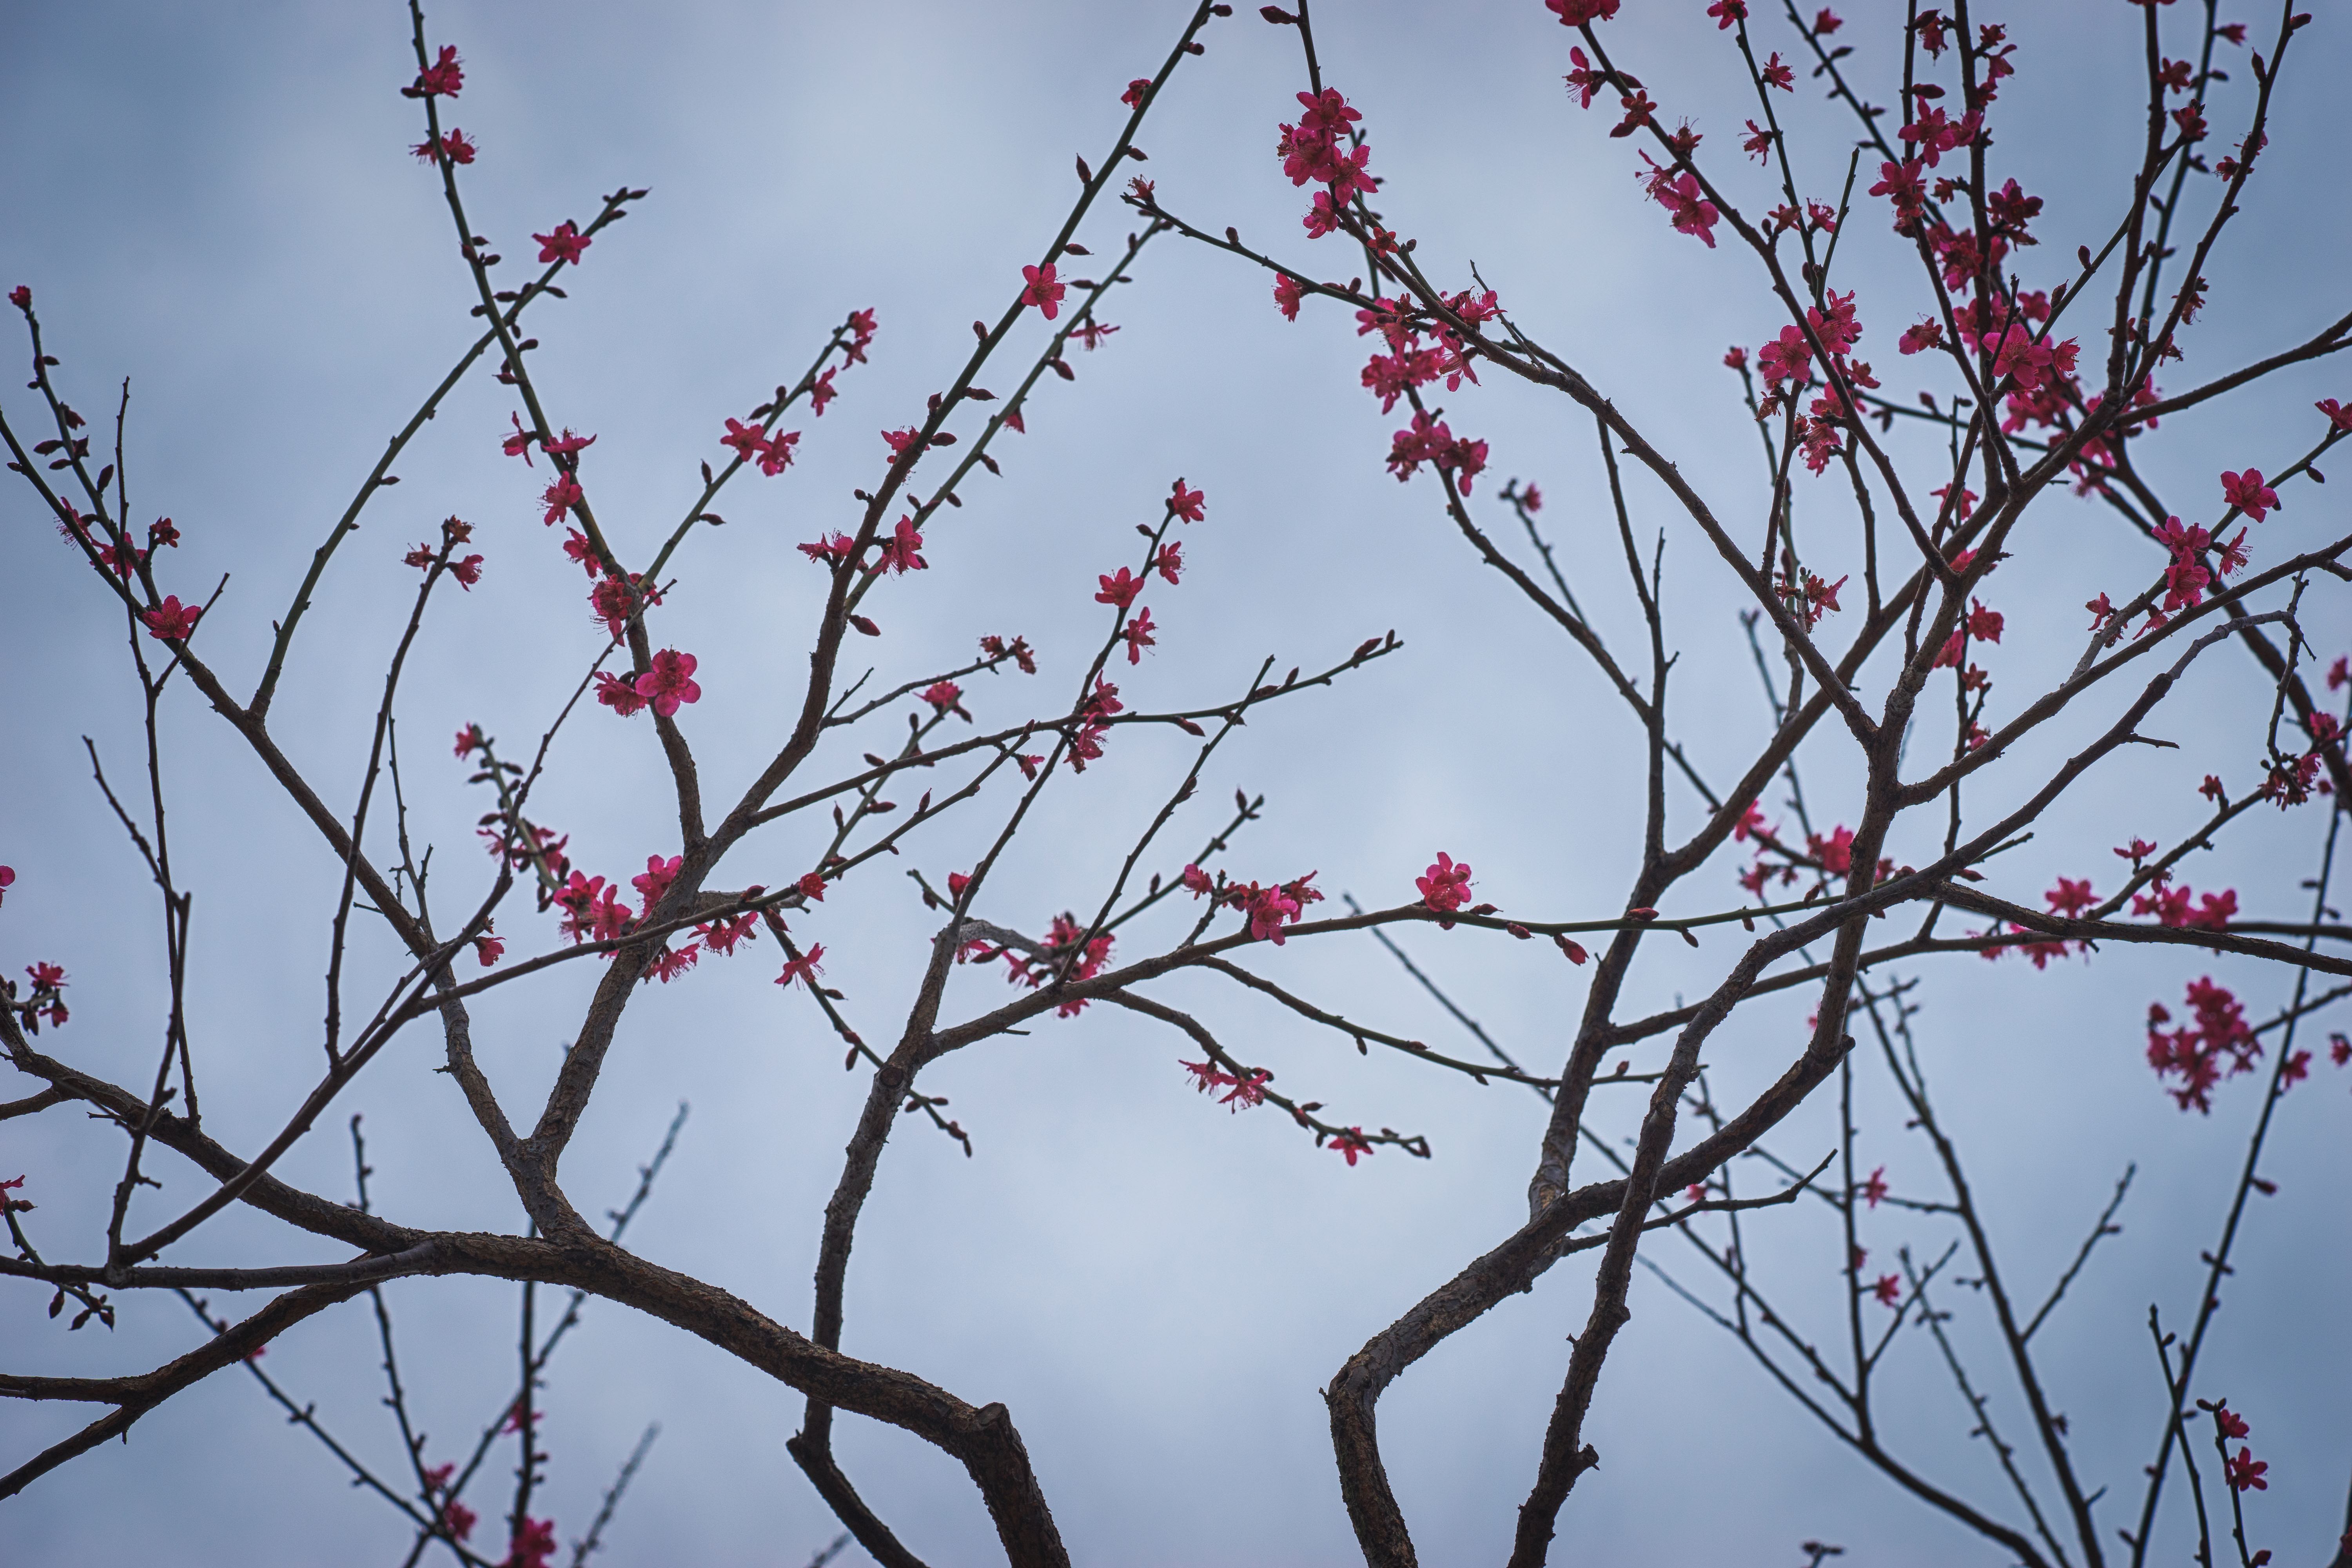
1170	561
2339	417
670	963
1727	13
1788	358
533	1546
805	969
488	947
8	879
458	1519
467	572
1889	1289
1775	74
1120	590
1196	881
1352	1142
2246	1472
1287	292
812	885
1189	505
1446	887
1133	96
1925	335
444	78
669	683
453	146
1137	633
2070	898
2247	492
172	621
899	550
1039	289
2229	1422
945	696
829	552
560	497
722	937
21	297
564	245
749	440
658	875
1875	1189
1584	81
1577	14
618	693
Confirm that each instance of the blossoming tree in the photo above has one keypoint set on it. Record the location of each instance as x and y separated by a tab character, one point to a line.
2027	386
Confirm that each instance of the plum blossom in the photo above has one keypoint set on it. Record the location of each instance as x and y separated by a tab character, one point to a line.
670	682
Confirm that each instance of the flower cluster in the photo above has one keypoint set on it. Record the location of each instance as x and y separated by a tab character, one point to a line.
1245	1088
754	443
1059	949
46	1000
1430	441
1266	909
2215	1035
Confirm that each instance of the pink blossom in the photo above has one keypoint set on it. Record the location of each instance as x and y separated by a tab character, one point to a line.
1787	358
899	551
812	885
1446	887
722	937
1119	590
658	875
805	969
1137	633
1187	504
670	682
830	552
444	78
1352	1142
945	696
560	497
564	245
1577	13
2248	494
171	621
1287	293
1040	290
1924	336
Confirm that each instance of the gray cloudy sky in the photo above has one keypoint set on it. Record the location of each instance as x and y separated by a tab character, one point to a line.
218	204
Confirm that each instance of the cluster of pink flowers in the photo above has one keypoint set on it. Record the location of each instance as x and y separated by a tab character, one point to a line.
1313	150
1430	441
752	443
444	78
1245	1088
46	999
1093	723
1266	909
1061	942
2196	1052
